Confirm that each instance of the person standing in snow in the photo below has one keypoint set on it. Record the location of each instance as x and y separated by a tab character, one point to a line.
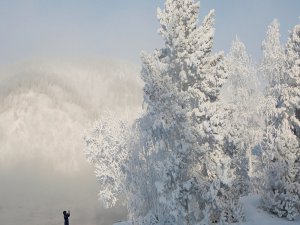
66	217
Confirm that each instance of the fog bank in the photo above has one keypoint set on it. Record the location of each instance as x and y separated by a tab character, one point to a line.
45	108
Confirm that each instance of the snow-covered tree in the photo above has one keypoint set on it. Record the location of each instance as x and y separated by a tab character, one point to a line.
271	71
281	188
273	61
280	145
181	131
242	120
293	74
106	149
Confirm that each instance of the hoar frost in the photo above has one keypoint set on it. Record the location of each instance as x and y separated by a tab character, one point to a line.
189	158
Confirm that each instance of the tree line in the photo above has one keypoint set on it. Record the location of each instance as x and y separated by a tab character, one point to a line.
215	127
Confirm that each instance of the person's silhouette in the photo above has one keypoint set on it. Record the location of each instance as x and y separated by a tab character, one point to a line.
66	217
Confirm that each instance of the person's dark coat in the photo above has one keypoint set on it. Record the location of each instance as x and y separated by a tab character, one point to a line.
66	217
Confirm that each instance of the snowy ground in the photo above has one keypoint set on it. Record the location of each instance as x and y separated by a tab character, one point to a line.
122	223
255	215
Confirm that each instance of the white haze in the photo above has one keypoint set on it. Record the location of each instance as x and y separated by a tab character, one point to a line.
44	110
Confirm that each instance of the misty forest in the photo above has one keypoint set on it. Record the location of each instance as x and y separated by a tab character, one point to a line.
192	136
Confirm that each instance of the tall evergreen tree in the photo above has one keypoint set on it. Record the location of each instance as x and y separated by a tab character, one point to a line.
181	124
272	65
272	70
293	70
280	146
242	124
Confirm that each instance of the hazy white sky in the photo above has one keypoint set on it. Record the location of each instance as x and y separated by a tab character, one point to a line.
122	28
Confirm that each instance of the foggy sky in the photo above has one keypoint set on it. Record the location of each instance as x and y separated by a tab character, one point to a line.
121	29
